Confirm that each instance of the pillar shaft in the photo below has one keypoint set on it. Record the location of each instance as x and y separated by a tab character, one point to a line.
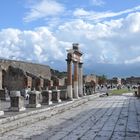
69	79
1	80
69	70
80	80
75	79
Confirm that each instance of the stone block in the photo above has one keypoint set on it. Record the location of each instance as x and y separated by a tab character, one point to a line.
34	99
63	94
56	95
46	97
17	101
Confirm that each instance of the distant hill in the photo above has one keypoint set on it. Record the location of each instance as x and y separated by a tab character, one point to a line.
58	73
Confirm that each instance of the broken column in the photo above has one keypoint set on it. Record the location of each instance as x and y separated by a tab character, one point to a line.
46	97
34	99
17	101
76	79
56	95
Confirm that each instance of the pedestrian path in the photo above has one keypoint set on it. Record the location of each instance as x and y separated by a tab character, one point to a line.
104	118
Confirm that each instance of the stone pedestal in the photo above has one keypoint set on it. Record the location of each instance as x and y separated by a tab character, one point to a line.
2	94
34	99
46	97
17	101
63	94
56	96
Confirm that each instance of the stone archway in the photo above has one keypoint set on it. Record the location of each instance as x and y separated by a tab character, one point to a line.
74	57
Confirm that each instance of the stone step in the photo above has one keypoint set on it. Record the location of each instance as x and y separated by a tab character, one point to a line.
26	118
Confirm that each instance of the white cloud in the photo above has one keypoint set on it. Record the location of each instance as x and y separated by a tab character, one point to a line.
98	2
134	60
114	41
97	16
39	45
43	9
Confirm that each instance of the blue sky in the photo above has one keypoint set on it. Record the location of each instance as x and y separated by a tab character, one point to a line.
42	30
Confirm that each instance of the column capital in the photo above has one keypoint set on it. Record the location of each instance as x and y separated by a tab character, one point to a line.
68	60
80	64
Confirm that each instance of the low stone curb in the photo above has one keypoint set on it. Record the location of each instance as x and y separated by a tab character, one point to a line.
26	118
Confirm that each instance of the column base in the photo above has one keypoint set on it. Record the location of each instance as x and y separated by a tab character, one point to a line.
76	89
69	90
80	90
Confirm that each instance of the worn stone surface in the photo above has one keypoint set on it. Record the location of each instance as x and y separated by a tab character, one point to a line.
105	118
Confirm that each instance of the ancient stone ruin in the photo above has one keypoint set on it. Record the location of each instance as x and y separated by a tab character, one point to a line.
74	57
42	84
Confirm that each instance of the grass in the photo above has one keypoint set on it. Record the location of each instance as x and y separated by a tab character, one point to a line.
119	91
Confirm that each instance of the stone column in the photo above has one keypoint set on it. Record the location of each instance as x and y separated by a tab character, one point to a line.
75	79
69	79
34	99
46	97
80	80
17	101
1	79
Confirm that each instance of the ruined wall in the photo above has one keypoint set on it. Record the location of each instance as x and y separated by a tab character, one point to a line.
14	79
18	75
35	69
90	78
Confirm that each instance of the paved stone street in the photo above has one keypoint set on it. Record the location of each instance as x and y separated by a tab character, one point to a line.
104	118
